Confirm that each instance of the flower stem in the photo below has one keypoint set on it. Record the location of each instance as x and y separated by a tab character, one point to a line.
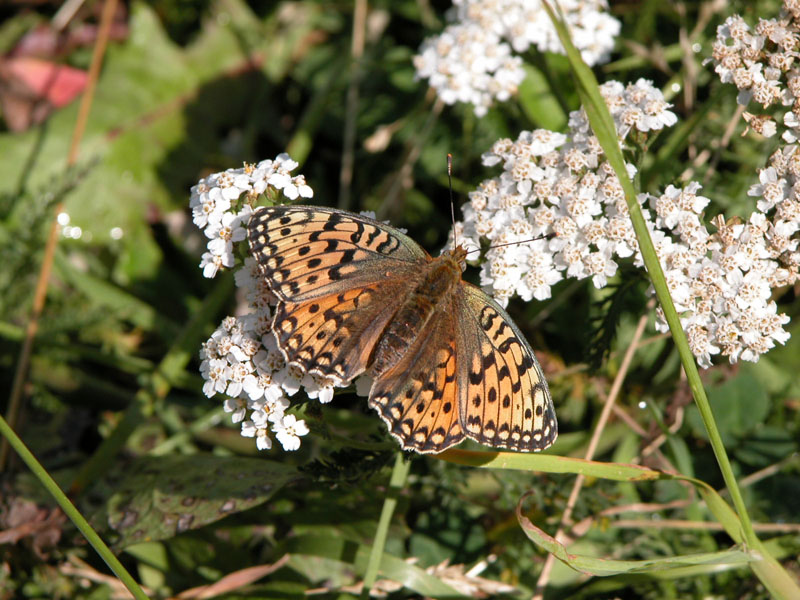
396	484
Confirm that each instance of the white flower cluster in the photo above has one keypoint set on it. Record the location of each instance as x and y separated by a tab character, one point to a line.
761	63
556	184
215	210
241	359
471	61
721	283
560	186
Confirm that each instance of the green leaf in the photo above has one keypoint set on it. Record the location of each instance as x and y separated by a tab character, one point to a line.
766	446
158	498
599	566
538	101
356	554
120	301
739	404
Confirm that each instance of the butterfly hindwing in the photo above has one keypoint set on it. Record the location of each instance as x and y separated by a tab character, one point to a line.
418	397
504	397
306	252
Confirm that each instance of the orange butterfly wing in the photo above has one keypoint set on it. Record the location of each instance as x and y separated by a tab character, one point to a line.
418	397
334	335
340	278
306	251
503	396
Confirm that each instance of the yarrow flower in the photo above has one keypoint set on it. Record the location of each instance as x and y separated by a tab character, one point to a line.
241	359
471	61
223	222
289	432
561	186
556	184
762	63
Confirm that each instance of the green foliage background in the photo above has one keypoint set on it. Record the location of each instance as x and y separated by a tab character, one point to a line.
195	88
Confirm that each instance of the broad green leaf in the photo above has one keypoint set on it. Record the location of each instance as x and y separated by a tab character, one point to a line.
158	498
740	404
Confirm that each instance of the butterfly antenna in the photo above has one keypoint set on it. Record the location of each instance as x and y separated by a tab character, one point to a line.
452	204
541	237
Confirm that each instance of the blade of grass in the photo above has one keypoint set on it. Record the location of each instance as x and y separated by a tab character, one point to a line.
545	463
69	509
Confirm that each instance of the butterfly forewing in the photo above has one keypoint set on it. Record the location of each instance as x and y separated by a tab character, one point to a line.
307	252
504	397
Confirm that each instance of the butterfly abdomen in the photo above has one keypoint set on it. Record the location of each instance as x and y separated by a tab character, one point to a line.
442	275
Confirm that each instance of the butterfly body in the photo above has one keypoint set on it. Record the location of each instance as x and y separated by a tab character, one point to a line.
439	281
356	295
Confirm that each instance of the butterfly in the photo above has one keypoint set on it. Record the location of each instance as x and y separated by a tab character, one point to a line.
358	296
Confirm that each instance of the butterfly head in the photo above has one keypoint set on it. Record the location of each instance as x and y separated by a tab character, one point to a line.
459	255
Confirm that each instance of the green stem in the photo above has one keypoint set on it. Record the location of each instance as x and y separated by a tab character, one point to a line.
659	282
396	484
69	509
207	421
703	405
